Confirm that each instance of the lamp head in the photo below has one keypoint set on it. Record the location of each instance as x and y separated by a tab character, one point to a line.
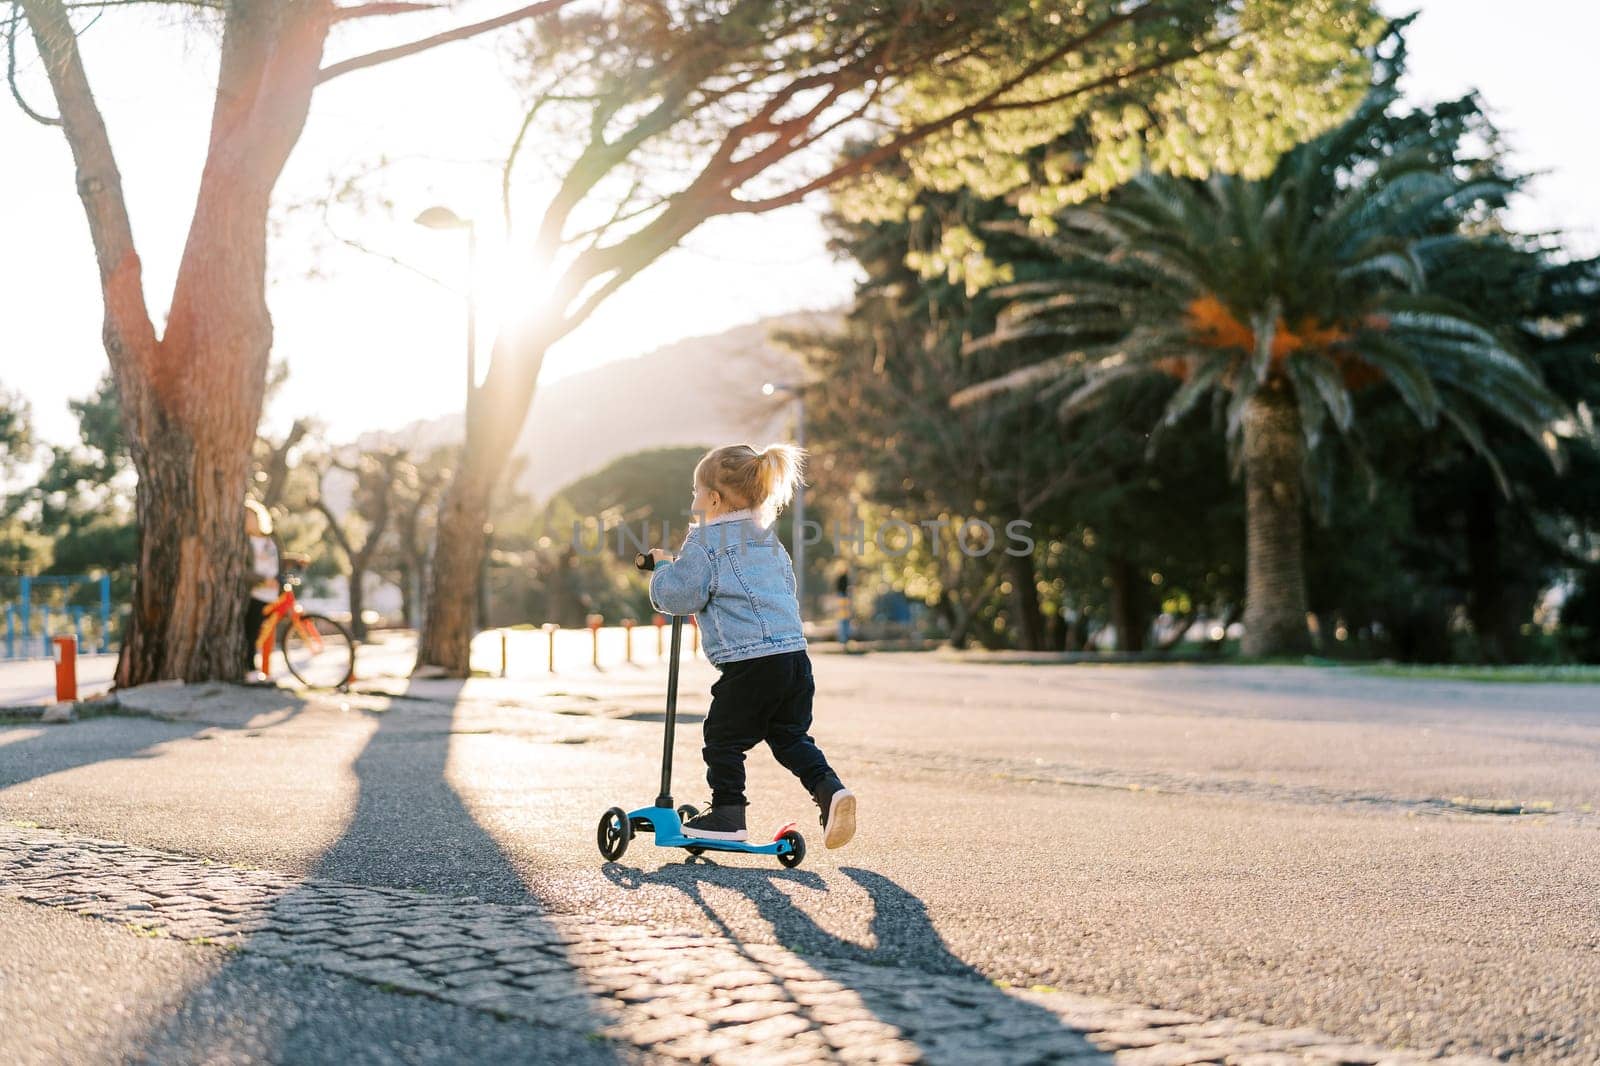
441	218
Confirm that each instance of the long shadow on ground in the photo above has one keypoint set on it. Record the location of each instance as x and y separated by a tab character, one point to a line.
410	830
965	1020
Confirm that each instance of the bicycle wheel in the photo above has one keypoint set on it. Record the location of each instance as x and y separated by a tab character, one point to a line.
318	651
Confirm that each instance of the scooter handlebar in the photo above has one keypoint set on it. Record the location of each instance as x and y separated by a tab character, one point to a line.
644	561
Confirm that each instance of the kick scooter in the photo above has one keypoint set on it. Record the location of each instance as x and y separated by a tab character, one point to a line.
617	826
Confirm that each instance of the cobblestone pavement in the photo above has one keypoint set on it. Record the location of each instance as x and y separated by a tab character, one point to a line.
654	994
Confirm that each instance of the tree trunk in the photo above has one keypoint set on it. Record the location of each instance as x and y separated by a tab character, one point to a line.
1056	631
190	585
407	593
1275	579
413	554
358	602
1489	600
495	413
1072	634
1025	588
482	598
1327	624
1127	604
277	466
192	397
560	580
1091	636
197	396
446	640
961	633
956	619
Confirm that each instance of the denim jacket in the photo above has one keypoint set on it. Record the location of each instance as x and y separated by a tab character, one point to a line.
736	577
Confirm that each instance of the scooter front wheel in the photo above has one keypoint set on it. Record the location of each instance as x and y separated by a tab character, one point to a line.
613	833
797	849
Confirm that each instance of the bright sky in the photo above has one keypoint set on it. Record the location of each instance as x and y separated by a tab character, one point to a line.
371	345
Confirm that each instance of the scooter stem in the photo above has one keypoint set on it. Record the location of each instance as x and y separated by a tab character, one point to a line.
665	798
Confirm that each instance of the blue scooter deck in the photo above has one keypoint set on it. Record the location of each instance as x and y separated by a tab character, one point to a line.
668	829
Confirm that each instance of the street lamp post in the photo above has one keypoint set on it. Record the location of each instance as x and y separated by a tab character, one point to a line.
771	389
444	218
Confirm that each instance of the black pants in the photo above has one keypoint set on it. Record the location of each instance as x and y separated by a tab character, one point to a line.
761	699
255	613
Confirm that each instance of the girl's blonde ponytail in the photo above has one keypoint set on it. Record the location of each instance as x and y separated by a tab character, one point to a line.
781	468
763	481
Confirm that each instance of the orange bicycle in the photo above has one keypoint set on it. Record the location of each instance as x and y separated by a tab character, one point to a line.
319	652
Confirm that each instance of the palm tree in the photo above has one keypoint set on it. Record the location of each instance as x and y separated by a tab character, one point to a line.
1278	299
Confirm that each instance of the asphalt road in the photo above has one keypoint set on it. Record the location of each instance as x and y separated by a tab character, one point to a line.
1404	862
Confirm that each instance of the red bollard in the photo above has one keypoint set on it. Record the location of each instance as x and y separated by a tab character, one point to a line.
66	669
627	638
661	621
595	621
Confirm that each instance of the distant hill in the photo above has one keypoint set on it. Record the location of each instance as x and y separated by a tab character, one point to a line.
697	392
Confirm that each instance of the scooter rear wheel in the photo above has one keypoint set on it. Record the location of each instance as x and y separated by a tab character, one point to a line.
613	833
797	850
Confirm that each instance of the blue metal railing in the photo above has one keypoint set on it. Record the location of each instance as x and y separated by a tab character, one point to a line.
19	616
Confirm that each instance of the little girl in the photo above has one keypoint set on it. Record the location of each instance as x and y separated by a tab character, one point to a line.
736	578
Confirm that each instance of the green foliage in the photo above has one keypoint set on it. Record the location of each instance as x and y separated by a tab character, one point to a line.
93	545
77	518
23	550
1513	675
1494	552
887	446
1580	616
657	117
16	435
286	483
1438	368
1424	557
93	477
650	486
660	116
1183	88
1311	281
551	564
1161	519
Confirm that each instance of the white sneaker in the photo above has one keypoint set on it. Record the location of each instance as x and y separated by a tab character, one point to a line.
838	817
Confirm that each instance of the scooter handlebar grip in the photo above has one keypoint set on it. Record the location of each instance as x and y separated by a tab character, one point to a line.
644	561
